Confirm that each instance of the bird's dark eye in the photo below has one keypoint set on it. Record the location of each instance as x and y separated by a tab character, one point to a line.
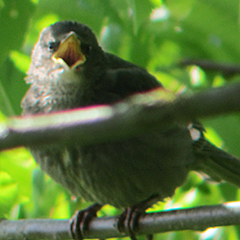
85	48
52	46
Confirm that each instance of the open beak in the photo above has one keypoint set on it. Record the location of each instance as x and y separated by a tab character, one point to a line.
69	52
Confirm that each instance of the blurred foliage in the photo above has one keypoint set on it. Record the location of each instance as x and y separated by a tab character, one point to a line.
152	33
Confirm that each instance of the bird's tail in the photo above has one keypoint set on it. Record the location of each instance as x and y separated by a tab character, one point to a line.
218	164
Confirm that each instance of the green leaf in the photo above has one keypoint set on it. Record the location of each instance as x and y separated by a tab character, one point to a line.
14	21
12	88
141	11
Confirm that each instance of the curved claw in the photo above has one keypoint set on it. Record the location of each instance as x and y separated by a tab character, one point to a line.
128	221
79	223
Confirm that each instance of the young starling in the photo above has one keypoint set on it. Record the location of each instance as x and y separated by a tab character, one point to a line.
70	70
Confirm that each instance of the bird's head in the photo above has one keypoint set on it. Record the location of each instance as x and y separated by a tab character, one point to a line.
68	52
67	62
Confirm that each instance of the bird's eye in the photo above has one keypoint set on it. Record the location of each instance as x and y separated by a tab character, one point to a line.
86	48
52	46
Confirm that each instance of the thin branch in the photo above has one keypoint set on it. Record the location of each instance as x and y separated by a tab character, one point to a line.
227	69
123	120
196	219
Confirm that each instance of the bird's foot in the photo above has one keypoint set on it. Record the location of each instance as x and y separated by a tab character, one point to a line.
149	237
128	221
79	223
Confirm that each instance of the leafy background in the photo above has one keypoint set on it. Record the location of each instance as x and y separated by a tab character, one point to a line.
152	33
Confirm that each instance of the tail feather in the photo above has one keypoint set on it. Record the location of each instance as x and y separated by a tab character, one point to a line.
218	164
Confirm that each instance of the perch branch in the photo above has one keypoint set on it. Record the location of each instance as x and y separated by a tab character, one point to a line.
125	119
196	219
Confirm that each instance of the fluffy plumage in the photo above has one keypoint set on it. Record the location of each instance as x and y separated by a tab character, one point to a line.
121	173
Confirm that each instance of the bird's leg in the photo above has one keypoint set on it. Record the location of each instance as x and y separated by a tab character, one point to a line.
79	223
149	237
128	221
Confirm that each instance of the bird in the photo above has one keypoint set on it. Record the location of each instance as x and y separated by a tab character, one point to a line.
70	70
